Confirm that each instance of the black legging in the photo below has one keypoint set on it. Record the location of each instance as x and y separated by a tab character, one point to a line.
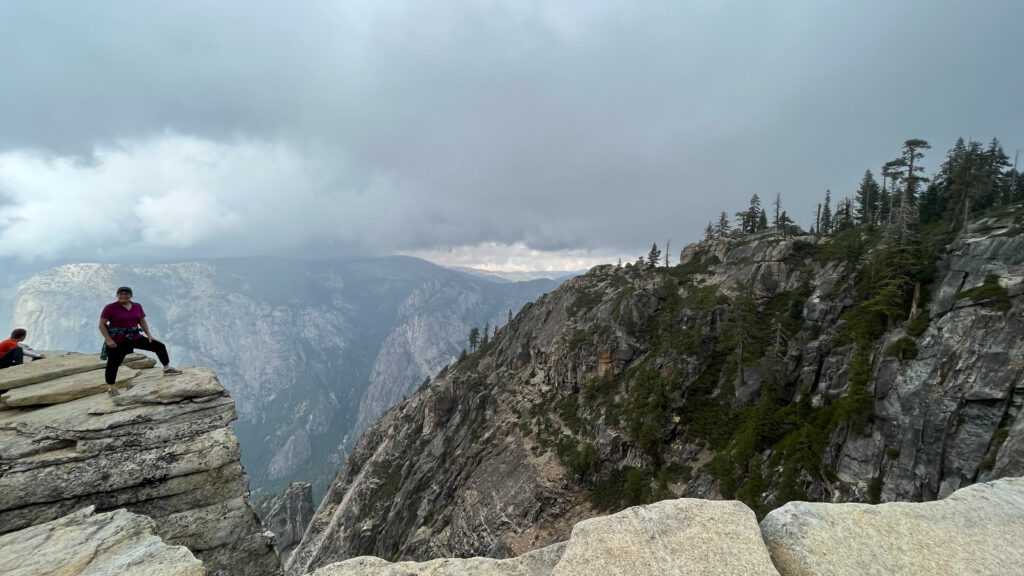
14	357
116	355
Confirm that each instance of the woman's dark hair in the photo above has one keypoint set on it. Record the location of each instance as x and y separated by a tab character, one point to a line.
18	333
124	289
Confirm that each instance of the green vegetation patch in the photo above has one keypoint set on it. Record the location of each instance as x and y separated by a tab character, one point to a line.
916	328
629	486
584	301
390	477
990	293
905	349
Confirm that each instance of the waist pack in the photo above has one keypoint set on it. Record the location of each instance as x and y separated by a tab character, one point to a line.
128	333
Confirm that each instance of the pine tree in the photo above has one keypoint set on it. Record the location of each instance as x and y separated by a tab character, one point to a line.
892	171
843	219
1013	183
1012	194
867	200
912	152
668	244
750	217
738	333
778	206
474	338
722	229
908	216
825	224
762	221
784	223
709	231
965	182
654	255
486	338
510	310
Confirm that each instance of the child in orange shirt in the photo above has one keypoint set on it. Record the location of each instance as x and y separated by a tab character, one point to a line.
13	352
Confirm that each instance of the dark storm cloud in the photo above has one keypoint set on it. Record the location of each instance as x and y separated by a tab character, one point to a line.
387	126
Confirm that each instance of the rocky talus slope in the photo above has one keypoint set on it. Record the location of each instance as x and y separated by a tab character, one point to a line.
163	449
762	367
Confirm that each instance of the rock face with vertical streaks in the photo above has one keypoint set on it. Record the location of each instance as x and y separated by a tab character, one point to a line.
287	516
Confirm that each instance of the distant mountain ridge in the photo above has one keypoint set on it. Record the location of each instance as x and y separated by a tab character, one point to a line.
312	351
518	276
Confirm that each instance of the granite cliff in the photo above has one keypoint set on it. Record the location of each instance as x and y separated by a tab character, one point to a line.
312	351
287	515
767	367
163	449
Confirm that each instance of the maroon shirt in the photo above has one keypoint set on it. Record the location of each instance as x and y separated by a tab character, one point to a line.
117	317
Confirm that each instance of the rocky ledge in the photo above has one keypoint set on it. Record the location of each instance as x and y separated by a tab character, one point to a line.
163	448
117	542
975	531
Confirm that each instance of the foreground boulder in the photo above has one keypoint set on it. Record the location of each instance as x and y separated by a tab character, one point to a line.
163	448
977	530
84	542
686	536
537	563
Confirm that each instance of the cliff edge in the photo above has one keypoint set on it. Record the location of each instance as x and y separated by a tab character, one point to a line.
163	448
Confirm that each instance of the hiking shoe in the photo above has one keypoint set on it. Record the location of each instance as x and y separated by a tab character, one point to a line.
113	391
171	371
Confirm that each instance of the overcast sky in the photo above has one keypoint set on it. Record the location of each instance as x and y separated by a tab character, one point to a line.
519	134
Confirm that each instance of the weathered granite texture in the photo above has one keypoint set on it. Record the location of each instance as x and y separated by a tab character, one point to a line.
685	536
950	417
978	530
162	448
537	563
116	543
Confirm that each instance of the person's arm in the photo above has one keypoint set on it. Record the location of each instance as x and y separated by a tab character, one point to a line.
145	328
106	336
32	353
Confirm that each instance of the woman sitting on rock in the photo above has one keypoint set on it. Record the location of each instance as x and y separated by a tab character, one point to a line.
124	329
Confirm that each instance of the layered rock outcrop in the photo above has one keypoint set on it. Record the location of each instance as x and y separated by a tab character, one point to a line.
163	448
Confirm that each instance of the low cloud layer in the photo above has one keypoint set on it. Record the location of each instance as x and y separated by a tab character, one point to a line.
486	130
